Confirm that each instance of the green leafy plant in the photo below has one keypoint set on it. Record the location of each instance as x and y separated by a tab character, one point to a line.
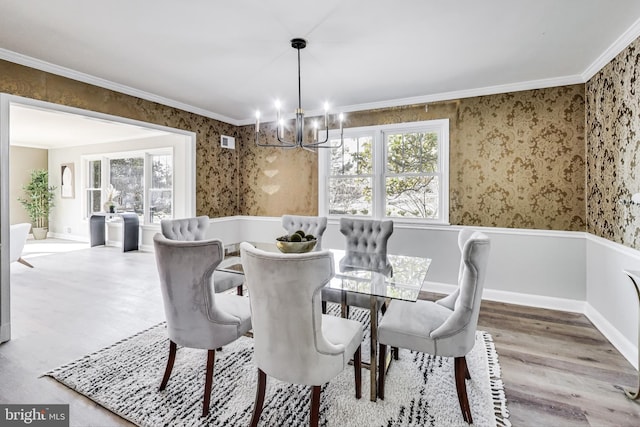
39	198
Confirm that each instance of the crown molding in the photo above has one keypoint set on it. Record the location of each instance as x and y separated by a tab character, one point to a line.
618	46
448	96
469	93
48	67
621	43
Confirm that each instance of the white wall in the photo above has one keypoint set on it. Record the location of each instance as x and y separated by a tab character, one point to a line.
611	302
22	161
533	262
67	218
571	271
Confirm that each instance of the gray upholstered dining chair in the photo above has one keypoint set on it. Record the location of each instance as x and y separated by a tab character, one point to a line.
293	341
196	316
366	248
446	327
194	229
314	225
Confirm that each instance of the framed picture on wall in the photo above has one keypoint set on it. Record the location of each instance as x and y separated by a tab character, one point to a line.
67	181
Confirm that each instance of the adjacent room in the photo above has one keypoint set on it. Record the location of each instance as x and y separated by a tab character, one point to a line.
340	214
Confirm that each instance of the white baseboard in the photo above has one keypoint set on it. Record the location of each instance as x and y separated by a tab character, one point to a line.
619	341
530	300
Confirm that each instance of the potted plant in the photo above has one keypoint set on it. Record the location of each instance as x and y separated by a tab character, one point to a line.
111	193
38	201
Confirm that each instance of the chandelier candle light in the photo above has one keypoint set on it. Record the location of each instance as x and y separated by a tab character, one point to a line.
298	44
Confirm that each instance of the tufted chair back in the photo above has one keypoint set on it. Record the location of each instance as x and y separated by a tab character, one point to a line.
315	225
366	235
189	229
195	229
365	261
366	247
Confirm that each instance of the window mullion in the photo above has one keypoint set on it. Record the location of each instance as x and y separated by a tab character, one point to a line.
379	162
145	189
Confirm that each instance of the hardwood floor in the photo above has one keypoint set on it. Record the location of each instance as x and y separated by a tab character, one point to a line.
557	368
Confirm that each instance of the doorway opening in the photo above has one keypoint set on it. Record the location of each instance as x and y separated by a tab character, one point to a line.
72	144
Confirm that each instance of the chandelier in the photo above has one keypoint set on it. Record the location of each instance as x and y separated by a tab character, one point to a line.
313	141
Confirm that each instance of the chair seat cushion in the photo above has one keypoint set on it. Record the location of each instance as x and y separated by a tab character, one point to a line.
339	331
233	310
408	325
223	280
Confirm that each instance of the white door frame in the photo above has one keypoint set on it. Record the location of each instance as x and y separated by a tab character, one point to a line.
6	100
5	295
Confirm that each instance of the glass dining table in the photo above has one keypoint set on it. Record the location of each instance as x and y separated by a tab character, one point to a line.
395	277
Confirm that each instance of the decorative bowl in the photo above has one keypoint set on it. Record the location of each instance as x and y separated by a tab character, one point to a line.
295	247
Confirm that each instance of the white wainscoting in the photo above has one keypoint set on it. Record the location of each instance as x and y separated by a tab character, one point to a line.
611	303
570	271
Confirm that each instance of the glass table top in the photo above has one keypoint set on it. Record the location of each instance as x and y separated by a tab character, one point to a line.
396	277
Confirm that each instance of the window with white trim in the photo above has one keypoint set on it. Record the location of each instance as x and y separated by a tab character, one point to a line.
93	190
143	181
398	172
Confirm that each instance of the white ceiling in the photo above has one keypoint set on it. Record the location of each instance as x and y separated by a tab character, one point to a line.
227	59
34	127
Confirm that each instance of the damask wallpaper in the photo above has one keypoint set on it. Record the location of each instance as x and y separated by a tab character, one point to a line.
216	168
516	160
276	181
613	148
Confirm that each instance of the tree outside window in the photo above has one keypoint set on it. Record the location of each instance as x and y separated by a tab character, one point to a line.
143	182
409	180
161	191
127	176
351	177
94	187
411	184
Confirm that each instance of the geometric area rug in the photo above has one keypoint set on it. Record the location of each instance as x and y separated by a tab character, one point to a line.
419	390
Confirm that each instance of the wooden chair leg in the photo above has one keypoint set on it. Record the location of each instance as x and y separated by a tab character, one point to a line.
24	262
208	381
314	417
324	307
357	368
460	367
395	352
344	310
260	390
173	348
239	290
382	359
